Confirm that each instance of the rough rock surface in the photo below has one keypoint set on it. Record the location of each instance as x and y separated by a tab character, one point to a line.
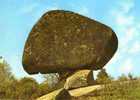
60	94
63	41
73	94
80	78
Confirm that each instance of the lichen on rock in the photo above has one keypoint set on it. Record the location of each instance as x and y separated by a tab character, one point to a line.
64	40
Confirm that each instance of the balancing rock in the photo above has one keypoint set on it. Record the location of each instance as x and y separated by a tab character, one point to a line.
64	40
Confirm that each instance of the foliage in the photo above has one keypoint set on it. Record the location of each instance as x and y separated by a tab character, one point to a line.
52	79
6	80
55	81
116	91
5	74
103	77
123	78
124	88
44	88
25	88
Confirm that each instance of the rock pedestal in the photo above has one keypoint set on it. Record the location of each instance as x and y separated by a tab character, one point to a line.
60	94
80	78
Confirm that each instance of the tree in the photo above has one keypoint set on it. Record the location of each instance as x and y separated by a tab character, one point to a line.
44	88
27	88
57	80
131	77
103	77
6	80
51	79
5	72
123	77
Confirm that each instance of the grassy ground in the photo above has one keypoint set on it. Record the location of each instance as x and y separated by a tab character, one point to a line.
128	90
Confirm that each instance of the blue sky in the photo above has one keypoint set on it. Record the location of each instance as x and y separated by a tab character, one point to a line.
18	17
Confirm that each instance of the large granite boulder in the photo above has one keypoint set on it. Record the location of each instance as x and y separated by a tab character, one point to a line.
63	41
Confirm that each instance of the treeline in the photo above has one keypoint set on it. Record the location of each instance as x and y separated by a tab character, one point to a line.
29	89
25	88
103	78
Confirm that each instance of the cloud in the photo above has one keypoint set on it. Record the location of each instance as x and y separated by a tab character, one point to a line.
28	9
84	11
122	19
126	24
37	7
135	48
129	35
127	66
126	27
52	8
127	5
125	21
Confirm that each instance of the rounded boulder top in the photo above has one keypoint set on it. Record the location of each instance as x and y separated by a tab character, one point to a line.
67	41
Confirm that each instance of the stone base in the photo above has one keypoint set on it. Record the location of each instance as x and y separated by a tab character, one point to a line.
80	78
60	94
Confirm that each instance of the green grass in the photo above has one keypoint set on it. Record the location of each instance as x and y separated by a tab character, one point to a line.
127	90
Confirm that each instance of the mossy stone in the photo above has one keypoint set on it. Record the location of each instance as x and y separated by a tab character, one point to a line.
64	40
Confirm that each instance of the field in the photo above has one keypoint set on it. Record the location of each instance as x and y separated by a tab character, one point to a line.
127	90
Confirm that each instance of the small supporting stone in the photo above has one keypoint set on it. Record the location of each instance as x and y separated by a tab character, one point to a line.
80	78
